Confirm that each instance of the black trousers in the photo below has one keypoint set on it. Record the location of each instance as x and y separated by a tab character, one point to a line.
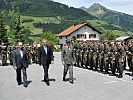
46	76
18	75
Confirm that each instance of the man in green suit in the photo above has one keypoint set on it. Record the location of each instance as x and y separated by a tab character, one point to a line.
68	60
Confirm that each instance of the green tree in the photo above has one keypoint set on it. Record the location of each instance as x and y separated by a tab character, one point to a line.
52	38
26	37
17	32
3	30
108	35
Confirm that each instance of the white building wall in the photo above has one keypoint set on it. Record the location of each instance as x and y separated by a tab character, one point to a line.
84	30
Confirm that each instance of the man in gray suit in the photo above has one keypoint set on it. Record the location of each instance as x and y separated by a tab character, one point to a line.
20	62
68	60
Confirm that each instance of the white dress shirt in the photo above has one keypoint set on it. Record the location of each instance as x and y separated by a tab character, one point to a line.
45	48
21	53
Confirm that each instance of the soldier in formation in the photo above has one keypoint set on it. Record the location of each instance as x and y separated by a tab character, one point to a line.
108	57
6	53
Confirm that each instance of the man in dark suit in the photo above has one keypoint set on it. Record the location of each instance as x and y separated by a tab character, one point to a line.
45	59
20	62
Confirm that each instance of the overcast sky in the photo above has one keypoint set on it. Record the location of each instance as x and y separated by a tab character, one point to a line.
125	6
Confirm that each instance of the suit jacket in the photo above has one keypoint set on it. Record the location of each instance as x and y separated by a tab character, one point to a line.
67	55
18	61
45	58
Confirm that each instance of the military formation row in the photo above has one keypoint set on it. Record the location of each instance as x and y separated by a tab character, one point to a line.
107	57
6	53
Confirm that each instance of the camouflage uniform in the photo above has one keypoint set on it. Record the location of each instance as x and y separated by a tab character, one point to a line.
4	55
101	57
120	60
106	57
10	54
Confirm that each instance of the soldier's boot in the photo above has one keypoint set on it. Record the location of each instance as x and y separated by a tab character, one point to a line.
4	60
120	75
91	64
132	71
82	63
120	70
101	65
96	66
11	63
86	64
125	65
112	65
106	68
78	61
130	65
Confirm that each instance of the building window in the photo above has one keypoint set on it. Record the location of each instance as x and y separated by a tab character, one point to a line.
66	37
60	37
81	36
91	36
84	36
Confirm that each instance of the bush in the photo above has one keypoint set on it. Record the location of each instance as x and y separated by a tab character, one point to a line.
27	20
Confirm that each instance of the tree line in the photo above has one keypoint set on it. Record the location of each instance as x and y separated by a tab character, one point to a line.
12	31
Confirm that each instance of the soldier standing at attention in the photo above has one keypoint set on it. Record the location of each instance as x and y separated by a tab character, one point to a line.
4	55
68	60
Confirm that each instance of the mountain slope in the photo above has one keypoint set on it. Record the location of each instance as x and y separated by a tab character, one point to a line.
45	15
45	8
121	19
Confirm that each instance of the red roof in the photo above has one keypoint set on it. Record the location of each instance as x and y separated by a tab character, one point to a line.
73	29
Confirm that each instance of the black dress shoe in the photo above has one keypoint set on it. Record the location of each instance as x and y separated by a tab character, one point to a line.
44	80
71	82
112	74
25	86
48	83
120	76
20	83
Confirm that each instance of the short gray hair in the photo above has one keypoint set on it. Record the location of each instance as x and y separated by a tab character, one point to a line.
44	40
20	43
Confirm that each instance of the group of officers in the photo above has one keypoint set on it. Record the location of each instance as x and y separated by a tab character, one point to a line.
6	53
107	57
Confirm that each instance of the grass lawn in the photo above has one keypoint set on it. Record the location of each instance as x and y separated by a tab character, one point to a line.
36	20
